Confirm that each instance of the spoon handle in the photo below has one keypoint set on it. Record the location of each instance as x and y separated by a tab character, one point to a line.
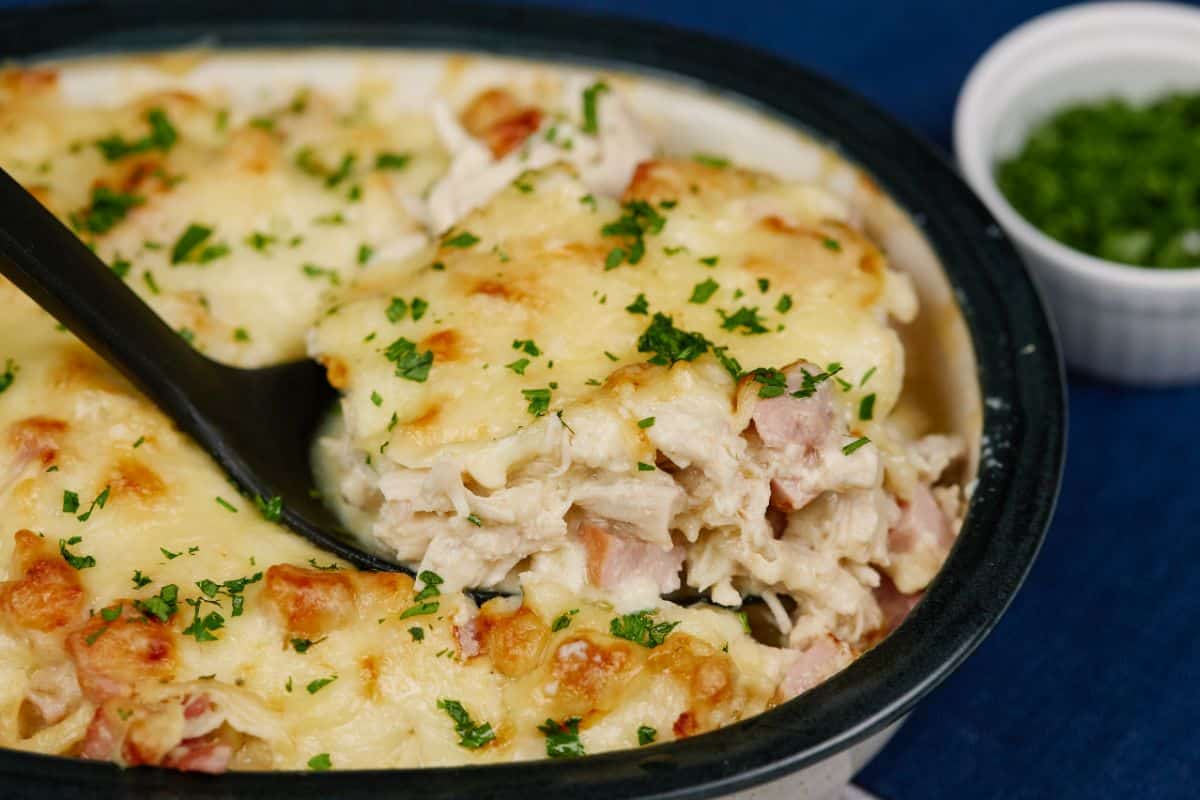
51	265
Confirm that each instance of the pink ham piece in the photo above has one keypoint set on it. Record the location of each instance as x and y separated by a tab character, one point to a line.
919	542
205	754
805	422
894	605
613	559
819	659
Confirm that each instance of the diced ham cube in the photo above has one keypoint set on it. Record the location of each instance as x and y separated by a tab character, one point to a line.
613	559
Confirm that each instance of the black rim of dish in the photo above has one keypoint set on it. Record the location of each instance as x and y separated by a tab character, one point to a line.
1019	371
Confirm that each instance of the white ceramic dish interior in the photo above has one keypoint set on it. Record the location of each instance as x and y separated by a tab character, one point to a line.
1118	322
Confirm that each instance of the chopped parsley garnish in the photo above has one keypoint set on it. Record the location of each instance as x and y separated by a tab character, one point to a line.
866	407
342	172
475	520
319	684
646	735
832	244
397	310
772	382
70	502
702	292
314	271
710	261
763	285
674	251
785	304
470	735
641	628
9	375
709	160
648	422
225	504
461	240
417	634
420	609
376	398
162	136
188	335
201	627
270	507
518	366
639	305
365	251
140	580
320	762
106	210
867	376
410	364
590	94
419	307
161	606
76	562
744	317
639	219
191	247
140	441
562	739
231	588
331	566
392	160
856	444
811	382
301	645
151	284
168	554
527	346
644	467
563	620
539	401
669	344
121	267
589	201
333	218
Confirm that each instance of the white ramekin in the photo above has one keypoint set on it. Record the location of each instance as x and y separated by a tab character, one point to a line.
1119	322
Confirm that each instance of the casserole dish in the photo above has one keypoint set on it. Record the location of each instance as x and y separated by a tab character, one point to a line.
1019	376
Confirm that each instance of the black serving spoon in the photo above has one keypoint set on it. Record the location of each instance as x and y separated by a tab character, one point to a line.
257	423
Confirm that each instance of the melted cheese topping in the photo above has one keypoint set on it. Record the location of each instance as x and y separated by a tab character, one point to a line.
537	273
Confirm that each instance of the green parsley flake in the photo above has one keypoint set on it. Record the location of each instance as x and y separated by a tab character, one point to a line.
365	251
475	520
702	292
866	407
855	445
562	739
106	210
161	606
646	735
140	580
302	645
669	344
763	285
710	261
640	628
832	244
319	684
867	376
271	508
392	160
320	762
539	401
639	219
526	345
190	247
376	398
70	503
162	136
518	366
590	95
639	305
410	364
241	335
709	160
225	504
461	240
744	317
76	562
648	422
417	634
772	382
785	304
472	736
644	467
563	620
314	271
9	375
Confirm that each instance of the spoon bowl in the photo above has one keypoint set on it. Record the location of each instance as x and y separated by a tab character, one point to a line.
257	423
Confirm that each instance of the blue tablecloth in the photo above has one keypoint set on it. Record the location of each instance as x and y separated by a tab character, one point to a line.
1089	686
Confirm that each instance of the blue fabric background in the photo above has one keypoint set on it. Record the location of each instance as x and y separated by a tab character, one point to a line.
1090	686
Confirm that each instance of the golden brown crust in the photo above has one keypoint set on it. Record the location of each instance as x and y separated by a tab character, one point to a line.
47	595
